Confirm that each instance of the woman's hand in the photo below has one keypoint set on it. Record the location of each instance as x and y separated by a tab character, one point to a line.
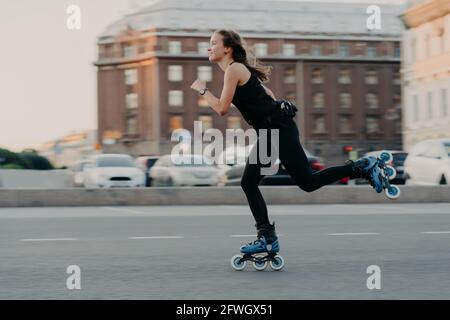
198	85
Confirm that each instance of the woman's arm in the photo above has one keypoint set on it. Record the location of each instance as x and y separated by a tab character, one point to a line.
221	105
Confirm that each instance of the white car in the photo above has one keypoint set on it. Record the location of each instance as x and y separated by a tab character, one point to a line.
77	173
230	157
184	170
113	170
428	162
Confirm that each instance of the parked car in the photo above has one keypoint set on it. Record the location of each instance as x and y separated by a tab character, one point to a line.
397	162
77	173
113	170
230	157
428	162
146	163
184	170
233	176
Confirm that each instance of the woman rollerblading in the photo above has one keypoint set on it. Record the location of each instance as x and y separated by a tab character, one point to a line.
243	86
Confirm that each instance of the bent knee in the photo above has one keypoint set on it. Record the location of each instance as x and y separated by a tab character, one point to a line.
306	186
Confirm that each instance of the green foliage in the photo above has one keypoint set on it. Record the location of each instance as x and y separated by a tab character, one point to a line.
29	159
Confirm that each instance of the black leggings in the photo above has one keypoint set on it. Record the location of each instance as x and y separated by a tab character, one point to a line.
293	157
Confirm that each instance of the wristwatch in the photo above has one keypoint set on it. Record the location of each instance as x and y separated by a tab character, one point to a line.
203	91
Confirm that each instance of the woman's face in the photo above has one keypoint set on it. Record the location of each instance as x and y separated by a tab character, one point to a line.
216	49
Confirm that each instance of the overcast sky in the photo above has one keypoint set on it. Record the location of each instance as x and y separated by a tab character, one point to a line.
47	81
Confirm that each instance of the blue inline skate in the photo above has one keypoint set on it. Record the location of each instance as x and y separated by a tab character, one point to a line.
377	172
260	252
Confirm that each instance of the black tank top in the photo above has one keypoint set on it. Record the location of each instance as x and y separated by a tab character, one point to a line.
253	102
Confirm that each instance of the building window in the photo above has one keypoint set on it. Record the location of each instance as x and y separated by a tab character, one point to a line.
316	50
429	105
175	73
397	101
261	49
444	102
345	100
130	76
174	47
202	48
290	76
344	50
345	124
132	125
372	101
132	101
416	108
175	122
318	100
371	77
234	122
204	73
397	77
427	46
202	102
129	50
372	124
371	51
207	122
176	98
108	51
396	50
398	126
289	49
317	76
344	76
319	125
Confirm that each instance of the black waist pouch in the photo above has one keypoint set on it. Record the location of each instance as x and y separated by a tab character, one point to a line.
281	117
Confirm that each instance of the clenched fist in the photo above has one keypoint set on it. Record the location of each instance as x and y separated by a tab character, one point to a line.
198	85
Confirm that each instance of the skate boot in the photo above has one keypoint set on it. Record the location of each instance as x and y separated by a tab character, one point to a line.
267	241
260	252
367	168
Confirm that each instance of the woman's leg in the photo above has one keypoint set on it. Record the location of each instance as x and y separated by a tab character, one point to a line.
294	159
249	183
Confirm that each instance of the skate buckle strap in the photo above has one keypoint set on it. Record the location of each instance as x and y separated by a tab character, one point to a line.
269	247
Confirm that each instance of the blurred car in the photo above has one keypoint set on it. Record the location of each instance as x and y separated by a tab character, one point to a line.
184	170
233	176
77	174
397	162
113	170
428	162
146	163
230	157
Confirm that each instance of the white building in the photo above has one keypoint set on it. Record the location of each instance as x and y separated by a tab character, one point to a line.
426	71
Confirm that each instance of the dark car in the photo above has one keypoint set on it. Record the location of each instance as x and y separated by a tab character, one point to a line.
234	174
397	163
145	163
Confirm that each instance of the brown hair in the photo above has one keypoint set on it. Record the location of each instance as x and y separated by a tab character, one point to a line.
242	53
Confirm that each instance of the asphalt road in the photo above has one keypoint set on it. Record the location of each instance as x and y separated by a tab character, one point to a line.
183	252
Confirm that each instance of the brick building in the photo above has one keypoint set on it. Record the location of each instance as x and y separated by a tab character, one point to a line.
344	78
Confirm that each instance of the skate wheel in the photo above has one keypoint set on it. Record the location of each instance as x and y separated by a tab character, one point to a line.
386	156
237	263
277	263
391	172
393	192
259	265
